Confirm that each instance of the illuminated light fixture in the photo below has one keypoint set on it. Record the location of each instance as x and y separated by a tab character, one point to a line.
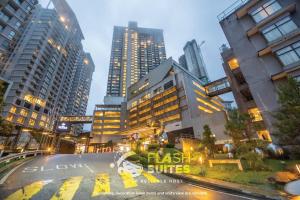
86	61
26	130
84	138
208	104
67	137
204	109
199	93
62	19
233	64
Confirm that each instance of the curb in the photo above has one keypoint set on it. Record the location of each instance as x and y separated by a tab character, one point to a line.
223	188
5	177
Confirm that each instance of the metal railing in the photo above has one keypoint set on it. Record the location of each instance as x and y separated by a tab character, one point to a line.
231	9
10	157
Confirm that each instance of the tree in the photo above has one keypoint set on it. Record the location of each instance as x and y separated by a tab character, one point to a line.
287	117
239	126
209	140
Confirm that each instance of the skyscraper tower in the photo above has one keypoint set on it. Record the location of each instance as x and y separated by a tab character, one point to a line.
193	61
135	51
14	17
80	90
42	67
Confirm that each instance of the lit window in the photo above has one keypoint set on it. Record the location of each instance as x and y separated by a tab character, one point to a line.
44	118
205	109
31	122
111	126
233	64
98	114
289	54
255	114
34	115
265	10
42	124
21	120
24	112
112	114
13	109
10	117
279	29
264	135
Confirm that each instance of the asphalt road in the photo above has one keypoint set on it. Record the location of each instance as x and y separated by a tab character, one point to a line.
92	176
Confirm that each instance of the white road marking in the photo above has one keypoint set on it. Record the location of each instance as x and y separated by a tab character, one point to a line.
235	195
92	171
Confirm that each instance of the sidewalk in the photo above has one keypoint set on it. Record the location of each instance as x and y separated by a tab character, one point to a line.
230	187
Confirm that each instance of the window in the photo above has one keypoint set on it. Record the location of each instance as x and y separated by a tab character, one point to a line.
255	114
3	16
233	63
265	10
168	85
297	78
17	25
11	35
289	54
279	29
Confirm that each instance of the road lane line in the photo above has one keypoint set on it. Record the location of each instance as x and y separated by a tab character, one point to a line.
150	177
28	191
92	171
68	189
128	180
102	185
235	195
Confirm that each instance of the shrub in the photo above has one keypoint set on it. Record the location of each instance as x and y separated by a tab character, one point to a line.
153	147
202	172
134	157
254	161
170	145
144	161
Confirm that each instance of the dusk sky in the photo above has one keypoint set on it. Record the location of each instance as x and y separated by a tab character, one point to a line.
181	21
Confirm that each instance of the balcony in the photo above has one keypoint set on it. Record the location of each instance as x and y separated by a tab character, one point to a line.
231	9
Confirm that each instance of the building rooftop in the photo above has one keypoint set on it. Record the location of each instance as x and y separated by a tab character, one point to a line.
231	9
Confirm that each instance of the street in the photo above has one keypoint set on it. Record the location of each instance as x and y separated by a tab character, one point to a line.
93	176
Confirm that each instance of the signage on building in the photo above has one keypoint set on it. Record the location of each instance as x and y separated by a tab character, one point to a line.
63	127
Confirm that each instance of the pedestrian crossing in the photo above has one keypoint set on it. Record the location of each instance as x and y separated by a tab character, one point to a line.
69	187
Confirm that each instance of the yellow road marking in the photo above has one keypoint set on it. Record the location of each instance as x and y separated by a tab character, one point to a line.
68	189
128	180
102	185
28	191
150	177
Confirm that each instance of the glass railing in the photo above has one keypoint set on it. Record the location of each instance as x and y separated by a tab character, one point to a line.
231	9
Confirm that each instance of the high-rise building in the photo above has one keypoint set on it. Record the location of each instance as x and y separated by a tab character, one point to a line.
42	67
135	51
79	95
264	50
14	17
192	60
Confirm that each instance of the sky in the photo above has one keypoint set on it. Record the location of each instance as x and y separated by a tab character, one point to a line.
181	21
